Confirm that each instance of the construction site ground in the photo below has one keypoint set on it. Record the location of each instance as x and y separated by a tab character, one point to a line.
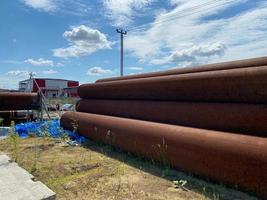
97	171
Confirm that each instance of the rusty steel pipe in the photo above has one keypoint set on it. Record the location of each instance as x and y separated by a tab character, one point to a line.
236	160
253	62
239	118
8	114
246	85
13	113
19	101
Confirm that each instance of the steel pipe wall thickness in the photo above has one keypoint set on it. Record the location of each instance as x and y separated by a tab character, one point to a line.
239	118
209	67
18	101
233	159
246	85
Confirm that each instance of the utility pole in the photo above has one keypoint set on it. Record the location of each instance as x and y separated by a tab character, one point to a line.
121	33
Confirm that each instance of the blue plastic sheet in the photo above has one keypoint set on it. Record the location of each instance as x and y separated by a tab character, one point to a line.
49	128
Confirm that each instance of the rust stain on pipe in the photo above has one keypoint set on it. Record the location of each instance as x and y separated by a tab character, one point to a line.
8	114
239	118
246	85
236	160
15	115
18	101
261	61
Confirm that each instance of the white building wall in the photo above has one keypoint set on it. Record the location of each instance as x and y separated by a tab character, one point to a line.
26	86
52	94
56	84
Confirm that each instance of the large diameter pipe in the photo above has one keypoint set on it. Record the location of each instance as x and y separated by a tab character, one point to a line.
236	160
18	101
253	62
8	114
14	114
239	118
246	85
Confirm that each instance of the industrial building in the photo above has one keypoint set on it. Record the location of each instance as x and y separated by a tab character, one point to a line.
51	88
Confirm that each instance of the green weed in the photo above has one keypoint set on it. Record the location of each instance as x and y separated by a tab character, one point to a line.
1	121
13	136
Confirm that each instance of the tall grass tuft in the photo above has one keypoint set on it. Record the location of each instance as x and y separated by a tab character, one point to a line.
1	121
14	139
36	155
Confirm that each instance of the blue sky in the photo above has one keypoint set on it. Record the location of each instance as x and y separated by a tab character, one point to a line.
78	40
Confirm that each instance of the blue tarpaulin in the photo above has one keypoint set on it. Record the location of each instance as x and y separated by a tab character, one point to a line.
49	128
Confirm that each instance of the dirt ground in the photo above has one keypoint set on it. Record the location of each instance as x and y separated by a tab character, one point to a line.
97	171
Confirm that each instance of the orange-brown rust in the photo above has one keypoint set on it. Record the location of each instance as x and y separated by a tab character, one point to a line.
234	159
19	101
244	85
252	62
237	118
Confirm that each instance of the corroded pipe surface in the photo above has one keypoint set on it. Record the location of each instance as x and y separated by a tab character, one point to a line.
8	114
209	67
14	113
233	159
238	118
246	85
18	101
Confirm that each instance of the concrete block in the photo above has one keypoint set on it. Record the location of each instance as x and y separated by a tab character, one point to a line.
17	184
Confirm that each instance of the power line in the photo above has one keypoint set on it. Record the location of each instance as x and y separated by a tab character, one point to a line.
166	18
182	13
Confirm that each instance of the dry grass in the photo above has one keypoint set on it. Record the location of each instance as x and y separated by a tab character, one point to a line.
100	172
62	100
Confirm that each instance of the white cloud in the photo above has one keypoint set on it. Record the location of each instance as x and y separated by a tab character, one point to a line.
8	82
77	7
23	74
50	71
10	79
98	71
185	37
42	5
195	52
59	64
83	41
122	11
135	73
177	2
40	62
191	55
135	68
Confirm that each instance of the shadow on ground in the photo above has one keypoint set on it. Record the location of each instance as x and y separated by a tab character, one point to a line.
201	185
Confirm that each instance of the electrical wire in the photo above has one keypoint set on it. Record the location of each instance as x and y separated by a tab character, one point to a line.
178	14
183	13
167	18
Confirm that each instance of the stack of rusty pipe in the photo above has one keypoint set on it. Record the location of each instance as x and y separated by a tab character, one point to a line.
19	101
209	120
